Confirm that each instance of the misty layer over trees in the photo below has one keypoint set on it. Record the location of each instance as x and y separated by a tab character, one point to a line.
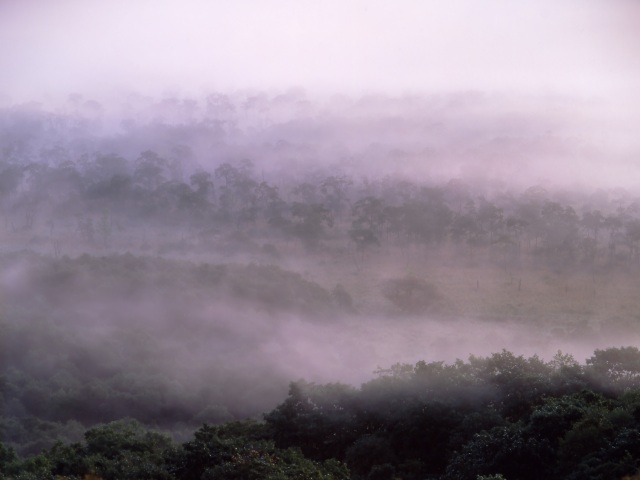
181	262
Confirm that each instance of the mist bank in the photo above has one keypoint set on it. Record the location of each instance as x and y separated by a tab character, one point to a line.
176	343
181	261
521	140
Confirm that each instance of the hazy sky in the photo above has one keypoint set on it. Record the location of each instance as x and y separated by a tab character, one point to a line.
582	47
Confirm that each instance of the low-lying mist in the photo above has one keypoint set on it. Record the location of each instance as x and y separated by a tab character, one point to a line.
195	335
520	140
182	261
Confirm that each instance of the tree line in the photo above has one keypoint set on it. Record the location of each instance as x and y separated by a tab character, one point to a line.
94	201
498	417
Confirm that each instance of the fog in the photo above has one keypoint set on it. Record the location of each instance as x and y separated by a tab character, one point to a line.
585	47
212	337
544	89
203	201
517	139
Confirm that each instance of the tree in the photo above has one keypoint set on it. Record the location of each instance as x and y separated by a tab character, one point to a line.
107	166
309	221
334	190
123	449
426	219
271	206
368	217
593	221
240	450
150	170
7	458
202	181
465	228
618	368
318	419
306	192
632	236
507	450
411	294
560	236
367	452
238	199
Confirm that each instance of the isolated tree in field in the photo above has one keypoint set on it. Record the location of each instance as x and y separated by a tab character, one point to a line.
411	294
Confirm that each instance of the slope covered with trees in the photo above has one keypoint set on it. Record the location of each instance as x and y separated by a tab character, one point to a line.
502	416
177	264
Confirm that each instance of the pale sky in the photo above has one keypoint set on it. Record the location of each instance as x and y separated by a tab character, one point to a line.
578	47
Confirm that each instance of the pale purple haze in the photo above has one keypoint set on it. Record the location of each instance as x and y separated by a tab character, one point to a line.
558	83
581	47
574	61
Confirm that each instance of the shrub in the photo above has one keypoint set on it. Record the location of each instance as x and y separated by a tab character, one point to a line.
411	294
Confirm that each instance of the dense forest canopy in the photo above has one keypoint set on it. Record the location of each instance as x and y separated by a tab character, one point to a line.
502	416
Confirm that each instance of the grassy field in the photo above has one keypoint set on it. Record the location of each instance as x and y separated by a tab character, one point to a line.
488	289
478	286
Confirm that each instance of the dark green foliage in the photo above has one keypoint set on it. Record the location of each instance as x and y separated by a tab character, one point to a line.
119	450
314	418
369	452
465	420
505	414
617	368
241	451
512	450
7	458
